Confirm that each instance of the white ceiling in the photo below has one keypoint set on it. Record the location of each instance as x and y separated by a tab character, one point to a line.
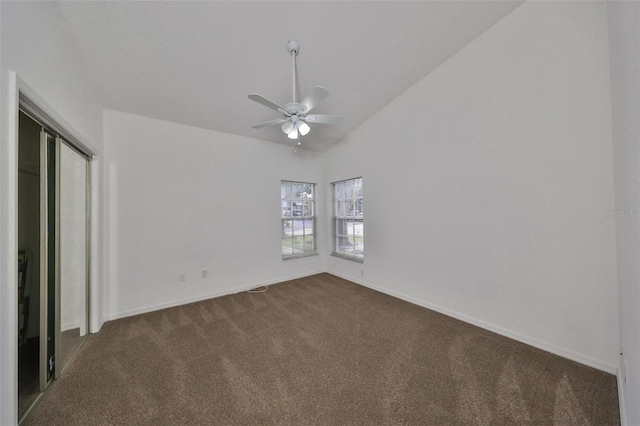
196	62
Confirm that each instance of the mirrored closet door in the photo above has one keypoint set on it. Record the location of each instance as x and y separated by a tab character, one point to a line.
73	253
53	258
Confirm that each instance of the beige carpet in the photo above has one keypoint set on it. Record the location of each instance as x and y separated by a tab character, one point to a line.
318	350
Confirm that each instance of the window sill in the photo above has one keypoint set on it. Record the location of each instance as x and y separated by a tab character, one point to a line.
298	256
345	257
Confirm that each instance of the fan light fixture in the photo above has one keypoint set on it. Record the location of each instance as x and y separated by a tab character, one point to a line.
292	129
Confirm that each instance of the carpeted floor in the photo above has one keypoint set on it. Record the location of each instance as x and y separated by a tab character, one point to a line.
318	350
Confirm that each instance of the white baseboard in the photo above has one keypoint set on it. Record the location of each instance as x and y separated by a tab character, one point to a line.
565	353
70	326
621	386
225	292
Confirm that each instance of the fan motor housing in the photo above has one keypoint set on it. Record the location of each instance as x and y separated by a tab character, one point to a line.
292	107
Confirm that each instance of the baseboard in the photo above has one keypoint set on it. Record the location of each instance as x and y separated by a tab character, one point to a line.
623	410
574	356
174	303
70	326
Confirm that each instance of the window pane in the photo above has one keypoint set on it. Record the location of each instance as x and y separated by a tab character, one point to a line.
340	190
296	189
286	209
348	193
358	237
309	243
342	235
342	208
298	227
307	191
305	208
350	230
287	228
351	208
308	227
287	246
358	188
302	244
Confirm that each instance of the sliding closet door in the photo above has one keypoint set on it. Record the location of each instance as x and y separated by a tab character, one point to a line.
29	275
73	240
53	253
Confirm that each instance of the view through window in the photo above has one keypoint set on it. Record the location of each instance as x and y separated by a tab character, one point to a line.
298	219
348	219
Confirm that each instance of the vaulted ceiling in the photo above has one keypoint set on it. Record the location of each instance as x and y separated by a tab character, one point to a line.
195	62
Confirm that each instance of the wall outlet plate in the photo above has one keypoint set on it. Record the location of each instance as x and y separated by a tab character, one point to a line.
182	277
205	273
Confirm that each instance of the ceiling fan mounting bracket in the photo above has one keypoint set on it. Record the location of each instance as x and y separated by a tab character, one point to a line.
293	47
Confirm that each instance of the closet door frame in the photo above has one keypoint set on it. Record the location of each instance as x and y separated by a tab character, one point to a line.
22	97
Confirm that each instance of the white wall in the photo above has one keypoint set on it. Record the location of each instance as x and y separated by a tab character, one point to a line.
183	199
624	39
485	185
34	44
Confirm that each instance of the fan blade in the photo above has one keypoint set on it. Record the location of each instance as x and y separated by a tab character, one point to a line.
315	96
323	119
269	123
266	102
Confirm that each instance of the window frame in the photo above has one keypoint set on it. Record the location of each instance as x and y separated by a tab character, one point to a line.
289	204
356	206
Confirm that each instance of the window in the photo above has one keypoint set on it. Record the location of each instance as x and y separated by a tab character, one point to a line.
348	219
298	219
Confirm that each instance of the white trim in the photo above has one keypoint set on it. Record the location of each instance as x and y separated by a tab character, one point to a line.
621	387
341	255
33	96
233	290
96	240
9	251
565	353
300	256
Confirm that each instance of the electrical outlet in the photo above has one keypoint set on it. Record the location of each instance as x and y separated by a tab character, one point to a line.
182	277
205	273
362	272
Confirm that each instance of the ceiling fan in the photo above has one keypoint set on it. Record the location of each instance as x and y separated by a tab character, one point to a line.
296	117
